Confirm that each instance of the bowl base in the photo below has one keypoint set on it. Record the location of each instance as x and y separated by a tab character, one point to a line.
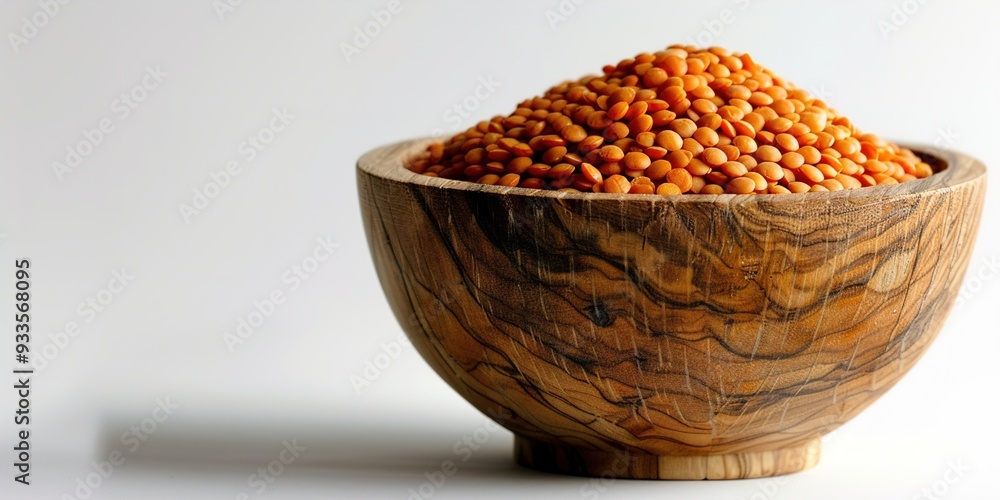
623	464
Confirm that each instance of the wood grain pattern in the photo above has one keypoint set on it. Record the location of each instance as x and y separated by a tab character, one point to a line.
702	336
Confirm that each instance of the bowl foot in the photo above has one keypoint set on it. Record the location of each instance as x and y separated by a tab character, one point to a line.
623	464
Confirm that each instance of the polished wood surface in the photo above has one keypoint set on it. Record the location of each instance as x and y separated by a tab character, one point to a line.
700	336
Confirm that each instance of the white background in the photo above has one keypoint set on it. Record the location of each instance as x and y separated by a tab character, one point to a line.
932	79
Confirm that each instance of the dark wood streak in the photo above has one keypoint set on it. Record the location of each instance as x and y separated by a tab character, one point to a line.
700	336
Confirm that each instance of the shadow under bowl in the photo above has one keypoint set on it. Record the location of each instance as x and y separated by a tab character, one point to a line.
669	337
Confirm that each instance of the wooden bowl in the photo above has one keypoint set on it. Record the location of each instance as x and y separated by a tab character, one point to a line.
669	337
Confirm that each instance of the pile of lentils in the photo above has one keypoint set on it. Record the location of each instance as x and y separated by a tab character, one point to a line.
682	120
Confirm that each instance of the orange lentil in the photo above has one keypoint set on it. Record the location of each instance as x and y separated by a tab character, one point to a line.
519	165
738	92
703	106
654	77
798	130
669	122
573	159
673	95
828	171
635	109
489	179
697	184
683	126
792	160
642	188
591	174
693	146
639	124
823	140
698	168
617	184
807	139
733	169
745	144
716	177
532	182
538	170
675	65
832	184
787	142
616	131
759	180
731	113
561	170
703	92
598	120
642	179
645	139
760	99
768	153
770	171
680	178
875	167
810	154
658	169
611	153
695	65
554	155
732	152
744	128
741	185
682	106
474	171
748	160
669	140
668	188
573	133
680	158
848	182
714	157
654	106
869	150
727	129
710	120
706	136
778	125
765	137
711	189
590	143
843	147
782	107
655	152
623	94
636	161
618	110
798	187
788	178
663	117
610	169
521	149
812	173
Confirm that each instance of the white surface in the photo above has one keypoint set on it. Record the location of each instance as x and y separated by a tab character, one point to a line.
162	337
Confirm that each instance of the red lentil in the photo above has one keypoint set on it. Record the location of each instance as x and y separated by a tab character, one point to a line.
681	120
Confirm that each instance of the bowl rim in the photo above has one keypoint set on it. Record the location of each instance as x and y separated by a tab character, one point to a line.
387	162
